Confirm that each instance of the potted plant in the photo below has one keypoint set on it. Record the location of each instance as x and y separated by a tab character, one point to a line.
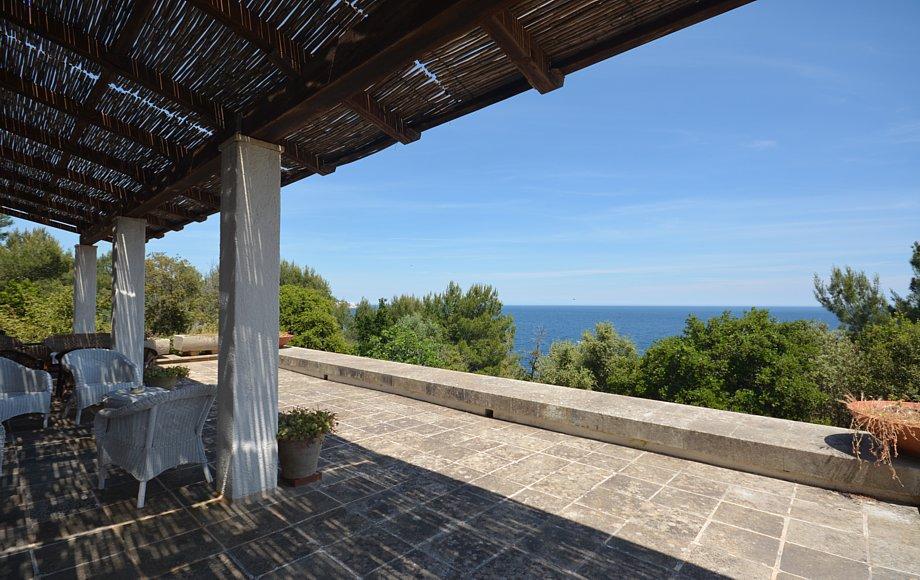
893	427
300	437
164	377
283	338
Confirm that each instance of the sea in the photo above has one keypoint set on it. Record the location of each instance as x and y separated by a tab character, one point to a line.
643	324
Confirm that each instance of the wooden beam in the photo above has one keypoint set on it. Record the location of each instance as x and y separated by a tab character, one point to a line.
393	35
521	49
672	21
311	161
47	201
46	26
55	141
387	121
54	189
283	51
12	210
40	164
86	115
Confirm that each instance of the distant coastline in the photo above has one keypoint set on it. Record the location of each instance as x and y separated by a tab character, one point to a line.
642	324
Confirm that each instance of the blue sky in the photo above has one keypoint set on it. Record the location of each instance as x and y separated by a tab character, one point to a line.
724	164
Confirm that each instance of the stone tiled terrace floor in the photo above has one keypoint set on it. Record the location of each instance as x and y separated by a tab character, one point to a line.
411	489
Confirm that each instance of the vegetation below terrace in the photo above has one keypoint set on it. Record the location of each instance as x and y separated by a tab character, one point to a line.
753	363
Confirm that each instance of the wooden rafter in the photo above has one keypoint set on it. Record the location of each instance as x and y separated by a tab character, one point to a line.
282	50
521	49
12	209
40	164
42	24
86	115
387	121
55	141
54	189
311	161
50	201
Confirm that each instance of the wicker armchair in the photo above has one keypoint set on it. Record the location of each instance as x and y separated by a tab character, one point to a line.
154	434
97	371
23	390
2	443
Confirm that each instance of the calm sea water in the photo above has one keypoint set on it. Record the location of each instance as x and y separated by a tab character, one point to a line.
643	324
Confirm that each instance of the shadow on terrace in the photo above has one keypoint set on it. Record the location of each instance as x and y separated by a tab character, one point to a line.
371	515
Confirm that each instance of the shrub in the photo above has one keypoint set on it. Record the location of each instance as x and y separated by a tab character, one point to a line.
158	372
889	360
415	340
299	424
310	316
563	366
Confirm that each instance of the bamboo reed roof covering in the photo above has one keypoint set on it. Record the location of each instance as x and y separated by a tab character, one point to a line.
117	107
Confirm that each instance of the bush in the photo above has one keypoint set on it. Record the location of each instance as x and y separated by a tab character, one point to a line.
563	366
158	372
752	364
889	360
415	340
310	316
301	424
603	361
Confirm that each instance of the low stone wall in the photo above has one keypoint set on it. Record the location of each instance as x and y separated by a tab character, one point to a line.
801	452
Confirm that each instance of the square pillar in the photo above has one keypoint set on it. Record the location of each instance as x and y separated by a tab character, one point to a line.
247	367
128	288
84	289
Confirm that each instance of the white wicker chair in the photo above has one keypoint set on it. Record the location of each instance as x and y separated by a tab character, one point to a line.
154	434
96	372
2	443
23	390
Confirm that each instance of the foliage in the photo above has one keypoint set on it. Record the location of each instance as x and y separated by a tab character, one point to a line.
603	361
157	372
173	295
308	314
415	340
856	300
305	276
889	360
752	364
34	255
300	424
563	366
32	311
5	222
909	305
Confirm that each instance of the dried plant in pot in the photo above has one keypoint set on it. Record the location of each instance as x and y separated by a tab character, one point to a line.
893	427
164	377
300	437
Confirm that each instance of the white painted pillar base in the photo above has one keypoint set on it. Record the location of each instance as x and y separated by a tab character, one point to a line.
128	288
84	289
247	368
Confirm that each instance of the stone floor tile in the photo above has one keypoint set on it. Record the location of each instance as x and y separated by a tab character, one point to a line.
654	546
18	565
482	462
218	567
742	543
567	451
507	522
147	531
592	519
332	526
514	563
611	502
810	563
269	552
563	543
845	520
365	552
903	555
117	567
708	562
816	537
684	500
462	549
418	525
495	484
631	486
650	473
754	520
699	485
532	469
829	498
463	503
246	527
509	452
75	551
161	557
606	462
673	521
541	501
415	564
316	566
759	500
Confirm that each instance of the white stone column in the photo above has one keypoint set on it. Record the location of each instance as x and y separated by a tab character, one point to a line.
84	289
247	368
128	288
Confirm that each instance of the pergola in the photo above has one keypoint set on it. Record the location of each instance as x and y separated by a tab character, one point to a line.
123	120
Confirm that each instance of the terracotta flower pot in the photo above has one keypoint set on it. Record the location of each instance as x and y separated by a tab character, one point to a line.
299	459
909	435
284	338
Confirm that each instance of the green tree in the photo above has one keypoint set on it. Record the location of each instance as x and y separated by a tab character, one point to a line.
611	358
31	311
563	365
369	325
752	364
34	255
889	357
308	314
173	295
415	340
5	223
305	276
474	323
909	305
856	300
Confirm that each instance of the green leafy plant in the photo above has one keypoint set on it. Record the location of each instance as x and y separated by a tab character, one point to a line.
301	424
158	372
